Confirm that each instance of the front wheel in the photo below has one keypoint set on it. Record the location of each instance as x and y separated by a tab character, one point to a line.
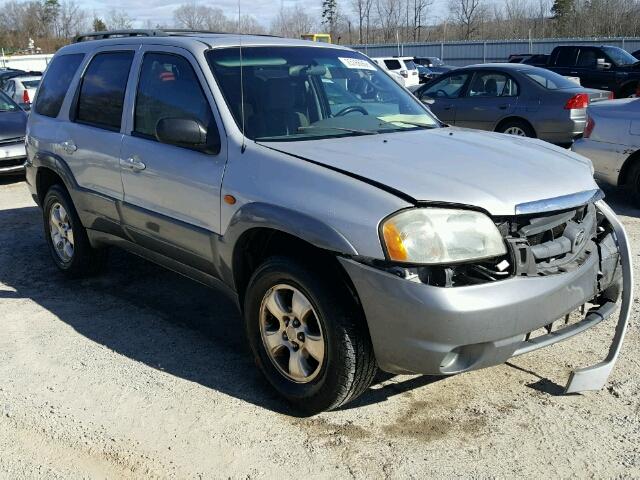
307	335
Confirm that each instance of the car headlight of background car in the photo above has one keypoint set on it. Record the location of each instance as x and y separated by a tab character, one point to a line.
440	235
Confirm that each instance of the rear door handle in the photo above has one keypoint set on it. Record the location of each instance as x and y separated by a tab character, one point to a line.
133	163
68	146
447	107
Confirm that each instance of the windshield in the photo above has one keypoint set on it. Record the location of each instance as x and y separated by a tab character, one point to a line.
549	80
30	83
7	105
304	93
619	56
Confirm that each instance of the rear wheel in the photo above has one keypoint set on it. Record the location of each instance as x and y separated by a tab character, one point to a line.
518	128
307	335
67	238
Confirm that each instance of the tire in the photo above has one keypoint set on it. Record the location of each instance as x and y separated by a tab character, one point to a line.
80	260
512	126
633	183
332	317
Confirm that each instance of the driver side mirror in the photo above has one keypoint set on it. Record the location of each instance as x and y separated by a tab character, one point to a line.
602	65
427	100
188	133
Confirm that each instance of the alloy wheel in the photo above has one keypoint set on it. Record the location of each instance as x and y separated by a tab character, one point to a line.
292	333
61	232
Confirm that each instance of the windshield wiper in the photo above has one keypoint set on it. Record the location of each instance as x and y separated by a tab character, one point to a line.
343	129
427	126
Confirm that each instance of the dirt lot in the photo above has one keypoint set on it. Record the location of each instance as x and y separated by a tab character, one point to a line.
142	373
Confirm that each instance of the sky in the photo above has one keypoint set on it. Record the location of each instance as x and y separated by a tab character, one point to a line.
161	11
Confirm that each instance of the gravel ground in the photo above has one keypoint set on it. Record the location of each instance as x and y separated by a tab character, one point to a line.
142	373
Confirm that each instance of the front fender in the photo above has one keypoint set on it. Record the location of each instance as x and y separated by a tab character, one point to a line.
263	215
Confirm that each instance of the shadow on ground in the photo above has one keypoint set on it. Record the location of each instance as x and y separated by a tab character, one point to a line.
148	314
166	321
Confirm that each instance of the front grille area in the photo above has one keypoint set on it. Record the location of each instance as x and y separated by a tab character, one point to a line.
553	243
12	162
12	141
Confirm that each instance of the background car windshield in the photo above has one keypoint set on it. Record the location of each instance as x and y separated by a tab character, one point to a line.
410	65
550	80
6	104
302	93
31	83
620	56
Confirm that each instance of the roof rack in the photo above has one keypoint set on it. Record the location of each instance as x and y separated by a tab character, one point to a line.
118	34
148	33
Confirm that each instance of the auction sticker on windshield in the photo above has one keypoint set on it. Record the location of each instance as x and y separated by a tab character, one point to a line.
358	63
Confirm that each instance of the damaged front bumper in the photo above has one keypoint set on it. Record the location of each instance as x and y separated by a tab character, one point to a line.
420	328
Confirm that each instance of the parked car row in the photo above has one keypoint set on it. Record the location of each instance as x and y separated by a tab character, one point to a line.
413	70
354	229
20	85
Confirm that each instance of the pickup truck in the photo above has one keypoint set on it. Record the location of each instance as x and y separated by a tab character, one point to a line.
603	67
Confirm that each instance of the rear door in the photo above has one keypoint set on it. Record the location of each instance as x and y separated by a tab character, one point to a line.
587	69
491	96
446	94
171	193
90	142
564	61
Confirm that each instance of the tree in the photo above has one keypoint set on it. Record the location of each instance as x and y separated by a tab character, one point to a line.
330	15
562	8
71	20
119	20
467	14
99	25
293	22
362	8
191	16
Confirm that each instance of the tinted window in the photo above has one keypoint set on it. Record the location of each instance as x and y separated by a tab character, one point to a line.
566	57
102	90
549	79
619	56
56	83
449	87
587	57
410	65
30	83
393	64
492	85
169	88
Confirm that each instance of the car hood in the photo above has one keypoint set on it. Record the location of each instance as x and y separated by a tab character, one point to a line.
12	125
492	171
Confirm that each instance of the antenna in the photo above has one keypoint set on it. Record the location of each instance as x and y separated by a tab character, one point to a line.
243	147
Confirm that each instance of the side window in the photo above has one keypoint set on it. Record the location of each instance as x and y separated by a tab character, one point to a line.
56	82
492	85
587	58
102	90
169	88
566	57
11	87
449	87
393	64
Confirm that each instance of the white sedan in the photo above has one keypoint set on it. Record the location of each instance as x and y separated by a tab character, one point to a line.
611	141
22	90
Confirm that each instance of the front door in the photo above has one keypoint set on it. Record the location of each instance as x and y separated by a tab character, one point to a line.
171	193
445	94
491	96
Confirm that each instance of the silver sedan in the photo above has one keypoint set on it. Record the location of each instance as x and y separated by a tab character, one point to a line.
511	98
612	142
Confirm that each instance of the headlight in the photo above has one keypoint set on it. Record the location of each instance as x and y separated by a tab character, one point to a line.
441	235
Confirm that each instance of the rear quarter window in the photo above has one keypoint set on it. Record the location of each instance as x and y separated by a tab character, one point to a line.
56	82
393	64
102	90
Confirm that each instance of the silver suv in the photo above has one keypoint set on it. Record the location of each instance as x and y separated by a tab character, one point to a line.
354	230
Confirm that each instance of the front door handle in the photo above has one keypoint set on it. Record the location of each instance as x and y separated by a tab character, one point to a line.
133	163
68	146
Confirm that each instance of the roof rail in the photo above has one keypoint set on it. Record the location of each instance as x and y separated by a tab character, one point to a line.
118	34
148	33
